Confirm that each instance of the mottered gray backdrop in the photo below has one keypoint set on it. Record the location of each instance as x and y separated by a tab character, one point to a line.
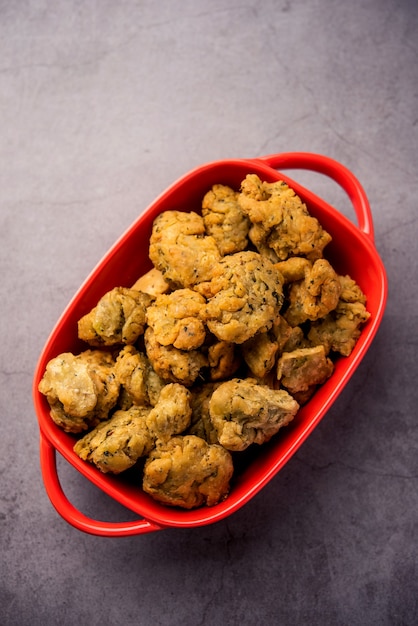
102	106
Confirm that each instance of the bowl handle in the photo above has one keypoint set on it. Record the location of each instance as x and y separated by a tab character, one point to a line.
71	514
339	173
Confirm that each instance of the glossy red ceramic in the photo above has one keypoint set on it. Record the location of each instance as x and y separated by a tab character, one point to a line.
352	251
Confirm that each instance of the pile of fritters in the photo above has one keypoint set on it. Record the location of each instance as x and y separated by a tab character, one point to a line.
211	351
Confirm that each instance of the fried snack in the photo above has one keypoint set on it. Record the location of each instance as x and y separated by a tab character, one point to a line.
172	413
201	424
294	268
213	349
176	320
244	412
142	386
225	220
303	369
288	337
188	472
281	224
116	444
118	318
339	330
245	297
260	353
350	291
314	296
180	249
81	389
223	360
152	283
174	365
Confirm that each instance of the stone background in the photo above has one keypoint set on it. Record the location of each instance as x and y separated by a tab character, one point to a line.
102	106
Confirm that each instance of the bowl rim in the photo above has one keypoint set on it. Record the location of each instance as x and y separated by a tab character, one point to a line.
162	516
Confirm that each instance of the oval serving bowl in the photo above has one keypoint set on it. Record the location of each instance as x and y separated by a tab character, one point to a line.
352	251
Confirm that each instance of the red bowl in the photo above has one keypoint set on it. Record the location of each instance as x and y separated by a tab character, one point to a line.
351	251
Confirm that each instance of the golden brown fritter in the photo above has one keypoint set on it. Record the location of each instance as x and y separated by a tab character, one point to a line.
172	364
176	320
245	297
339	330
172	413
180	249
350	290
304	368
281	224
152	283
80	389
314	296
302	397
294	268
188	472
223	360
139	381
225	220
288	337
244	412
118	318
101	368
201	424
260	353
116	444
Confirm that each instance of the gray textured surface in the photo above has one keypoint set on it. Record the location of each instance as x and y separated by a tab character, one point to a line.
102	105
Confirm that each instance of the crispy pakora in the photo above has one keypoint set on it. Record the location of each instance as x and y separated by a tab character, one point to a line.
174	365
181	250
223	360
116	444
340	329
118	318
152	283
176	319
288	337
281	223
172	413
188	472
244	412
315	295
201	424
304	368
80	389
294	268
245	297
225	220
260	353
141	385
